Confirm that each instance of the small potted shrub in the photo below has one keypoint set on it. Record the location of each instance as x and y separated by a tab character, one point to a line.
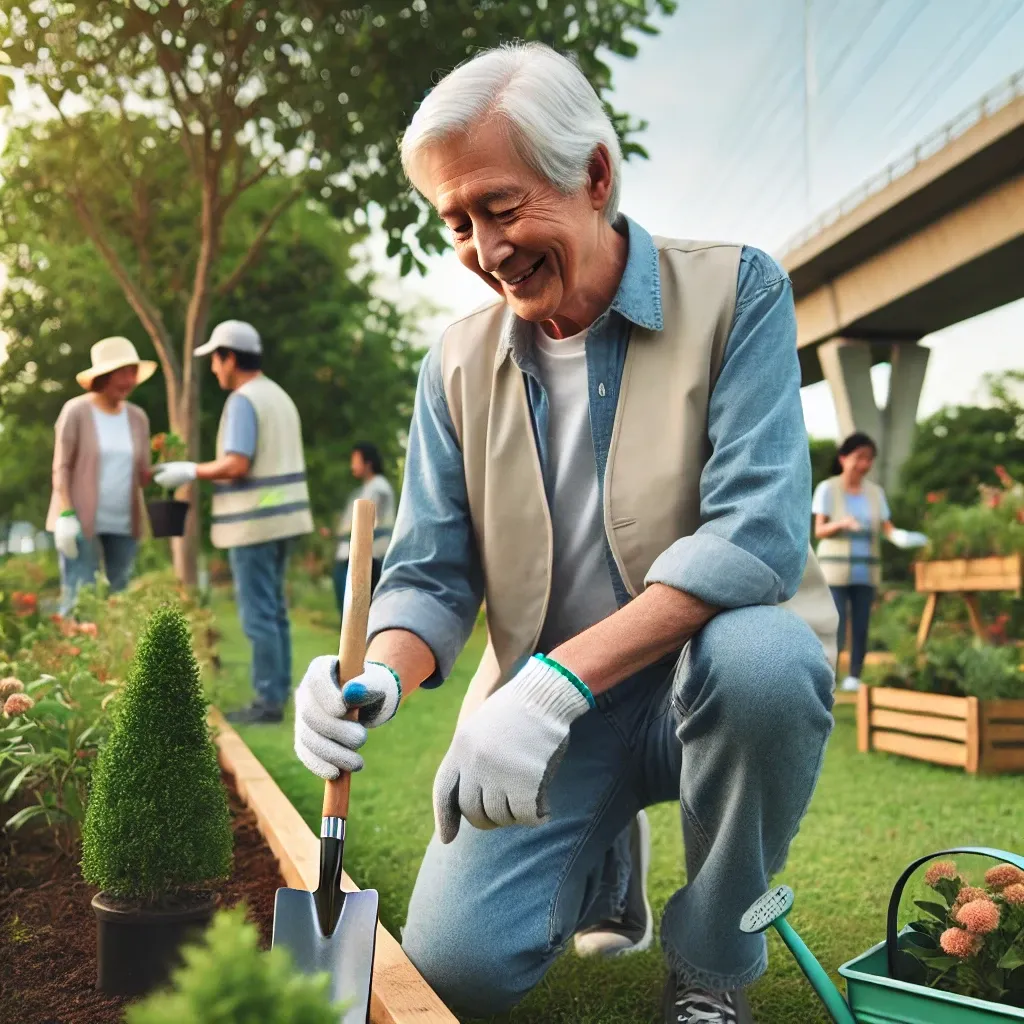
167	515
157	828
227	980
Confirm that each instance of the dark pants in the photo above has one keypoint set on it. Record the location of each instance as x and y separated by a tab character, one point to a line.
259	575
859	597
341	573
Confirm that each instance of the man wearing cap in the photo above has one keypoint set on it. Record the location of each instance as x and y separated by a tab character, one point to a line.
260	504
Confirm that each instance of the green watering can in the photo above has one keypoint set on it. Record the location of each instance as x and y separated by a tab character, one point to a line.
876	993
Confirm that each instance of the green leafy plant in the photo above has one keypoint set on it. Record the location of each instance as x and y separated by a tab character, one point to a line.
157	821
227	980
49	735
972	943
992	526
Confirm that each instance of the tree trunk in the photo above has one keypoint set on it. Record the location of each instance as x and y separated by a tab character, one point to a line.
185	550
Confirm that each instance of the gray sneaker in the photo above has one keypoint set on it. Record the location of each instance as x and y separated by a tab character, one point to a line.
634	932
688	1004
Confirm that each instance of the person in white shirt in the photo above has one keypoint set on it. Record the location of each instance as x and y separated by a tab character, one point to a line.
368	469
101	462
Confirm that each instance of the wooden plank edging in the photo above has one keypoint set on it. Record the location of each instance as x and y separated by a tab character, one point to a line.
400	994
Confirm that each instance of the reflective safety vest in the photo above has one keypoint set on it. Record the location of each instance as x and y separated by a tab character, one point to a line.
271	502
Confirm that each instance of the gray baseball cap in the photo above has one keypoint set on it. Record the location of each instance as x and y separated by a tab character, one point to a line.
236	335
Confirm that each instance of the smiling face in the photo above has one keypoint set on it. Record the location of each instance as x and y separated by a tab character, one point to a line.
543	251
120	383
858	463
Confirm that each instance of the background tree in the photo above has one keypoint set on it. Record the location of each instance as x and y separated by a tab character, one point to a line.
305	91
347	355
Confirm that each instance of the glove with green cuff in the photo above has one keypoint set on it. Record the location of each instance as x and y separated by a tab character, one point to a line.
504	755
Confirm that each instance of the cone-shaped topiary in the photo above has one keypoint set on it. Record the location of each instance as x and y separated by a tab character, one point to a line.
157	820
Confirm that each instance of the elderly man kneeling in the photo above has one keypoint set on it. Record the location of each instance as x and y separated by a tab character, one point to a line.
614	454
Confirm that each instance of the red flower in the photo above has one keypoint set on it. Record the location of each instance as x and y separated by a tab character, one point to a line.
993	501
24	603
933	497
1004	478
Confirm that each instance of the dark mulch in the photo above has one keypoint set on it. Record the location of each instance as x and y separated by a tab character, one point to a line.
48	932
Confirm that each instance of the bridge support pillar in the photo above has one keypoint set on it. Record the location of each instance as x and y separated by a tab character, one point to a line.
846	365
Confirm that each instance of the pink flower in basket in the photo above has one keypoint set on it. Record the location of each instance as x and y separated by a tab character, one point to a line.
956	942
939	870
979	916
1014	894
1003	875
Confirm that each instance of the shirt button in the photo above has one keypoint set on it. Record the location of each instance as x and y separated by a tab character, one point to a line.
600	390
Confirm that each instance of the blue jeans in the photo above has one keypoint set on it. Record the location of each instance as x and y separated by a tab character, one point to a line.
115	551
859	597
734	729
259	571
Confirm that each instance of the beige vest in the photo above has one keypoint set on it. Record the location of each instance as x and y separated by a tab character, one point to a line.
272	501
658	450
835	553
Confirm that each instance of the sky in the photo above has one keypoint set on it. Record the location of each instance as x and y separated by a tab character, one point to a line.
723	89
749	142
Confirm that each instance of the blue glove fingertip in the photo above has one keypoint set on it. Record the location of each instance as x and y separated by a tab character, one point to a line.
354	693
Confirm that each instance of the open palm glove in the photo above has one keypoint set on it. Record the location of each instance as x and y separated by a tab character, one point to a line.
504	755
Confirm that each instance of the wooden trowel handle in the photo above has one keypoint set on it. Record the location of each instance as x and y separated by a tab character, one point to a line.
354	618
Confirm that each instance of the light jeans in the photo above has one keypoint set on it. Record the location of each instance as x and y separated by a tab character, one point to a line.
258	571
115	551
734	729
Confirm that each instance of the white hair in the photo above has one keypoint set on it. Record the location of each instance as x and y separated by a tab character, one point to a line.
553	116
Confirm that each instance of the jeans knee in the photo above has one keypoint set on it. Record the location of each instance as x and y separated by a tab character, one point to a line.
762	667
468	970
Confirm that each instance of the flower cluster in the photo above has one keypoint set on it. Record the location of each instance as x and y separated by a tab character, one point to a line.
973	942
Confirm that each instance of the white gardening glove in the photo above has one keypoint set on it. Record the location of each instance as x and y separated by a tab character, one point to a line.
906	539
65	535
324	742
171	475
504	755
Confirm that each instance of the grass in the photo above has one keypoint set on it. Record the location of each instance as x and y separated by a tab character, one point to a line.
871	815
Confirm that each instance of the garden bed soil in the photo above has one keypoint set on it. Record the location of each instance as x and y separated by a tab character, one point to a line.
48	931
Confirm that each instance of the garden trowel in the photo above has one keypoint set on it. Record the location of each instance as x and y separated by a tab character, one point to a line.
330	930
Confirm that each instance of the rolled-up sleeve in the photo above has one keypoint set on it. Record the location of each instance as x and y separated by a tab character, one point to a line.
752	544
431	583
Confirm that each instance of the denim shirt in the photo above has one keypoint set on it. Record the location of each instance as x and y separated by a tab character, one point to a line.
752	543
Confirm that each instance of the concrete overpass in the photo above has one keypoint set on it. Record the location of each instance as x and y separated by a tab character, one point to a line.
935	238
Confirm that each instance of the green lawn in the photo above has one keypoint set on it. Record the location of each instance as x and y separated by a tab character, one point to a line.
871	815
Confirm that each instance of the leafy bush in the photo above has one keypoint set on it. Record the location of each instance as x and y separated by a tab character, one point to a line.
157	820
227	980
993	526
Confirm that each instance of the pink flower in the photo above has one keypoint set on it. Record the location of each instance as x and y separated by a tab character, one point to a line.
979	916
939	870
1003	875
88	629
968	894
17	704
10	685
956	942
1014	894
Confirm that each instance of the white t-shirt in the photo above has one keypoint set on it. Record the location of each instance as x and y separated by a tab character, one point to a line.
114	504
581	584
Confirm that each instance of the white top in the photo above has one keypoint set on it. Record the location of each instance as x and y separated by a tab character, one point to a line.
379	491
114	503
581	583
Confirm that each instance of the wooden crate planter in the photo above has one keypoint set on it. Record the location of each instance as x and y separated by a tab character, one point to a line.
966	577
980	736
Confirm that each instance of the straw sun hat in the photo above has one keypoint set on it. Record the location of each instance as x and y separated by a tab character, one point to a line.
111	354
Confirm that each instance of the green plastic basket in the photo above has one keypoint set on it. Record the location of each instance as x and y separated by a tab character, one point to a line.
877	994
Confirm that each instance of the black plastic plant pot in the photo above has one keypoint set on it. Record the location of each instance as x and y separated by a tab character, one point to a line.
136	949
167	518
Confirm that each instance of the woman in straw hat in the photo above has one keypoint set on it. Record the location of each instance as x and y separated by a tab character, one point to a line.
101	462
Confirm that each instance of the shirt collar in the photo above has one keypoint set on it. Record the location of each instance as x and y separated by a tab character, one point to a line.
638	297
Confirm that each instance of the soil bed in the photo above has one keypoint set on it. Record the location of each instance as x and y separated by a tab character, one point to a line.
48	931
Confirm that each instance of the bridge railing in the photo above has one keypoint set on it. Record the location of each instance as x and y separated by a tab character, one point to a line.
994	100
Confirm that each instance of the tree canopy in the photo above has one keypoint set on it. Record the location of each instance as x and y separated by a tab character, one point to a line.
311	95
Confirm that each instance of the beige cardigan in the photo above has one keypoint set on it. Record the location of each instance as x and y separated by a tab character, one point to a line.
76	463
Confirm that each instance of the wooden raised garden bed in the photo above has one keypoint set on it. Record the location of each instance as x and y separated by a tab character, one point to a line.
967	577
980	736
400	994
